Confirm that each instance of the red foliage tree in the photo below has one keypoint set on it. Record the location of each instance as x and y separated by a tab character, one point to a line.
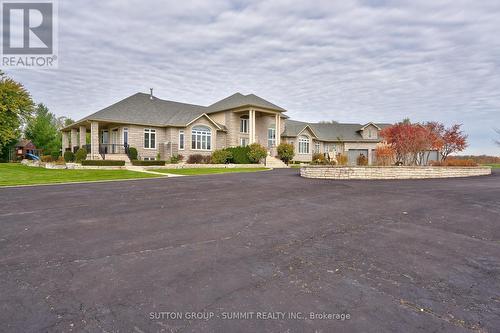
412	142
448	140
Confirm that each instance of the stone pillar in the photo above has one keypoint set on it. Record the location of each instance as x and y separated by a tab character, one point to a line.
251	120
65	141
278	129
94	140
74	138
83	136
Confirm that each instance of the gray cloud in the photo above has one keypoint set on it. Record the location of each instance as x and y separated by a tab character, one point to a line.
352	61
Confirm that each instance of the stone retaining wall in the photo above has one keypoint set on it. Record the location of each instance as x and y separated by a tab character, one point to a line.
390	172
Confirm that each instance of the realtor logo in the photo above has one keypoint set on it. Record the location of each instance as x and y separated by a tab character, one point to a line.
28	28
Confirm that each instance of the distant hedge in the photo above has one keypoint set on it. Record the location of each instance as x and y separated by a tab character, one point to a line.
103	163
147	163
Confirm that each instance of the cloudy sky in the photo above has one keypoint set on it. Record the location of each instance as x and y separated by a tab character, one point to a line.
350	61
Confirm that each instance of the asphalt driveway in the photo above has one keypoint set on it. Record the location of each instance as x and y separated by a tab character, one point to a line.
299	254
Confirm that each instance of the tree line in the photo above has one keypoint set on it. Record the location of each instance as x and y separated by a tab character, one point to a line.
21	117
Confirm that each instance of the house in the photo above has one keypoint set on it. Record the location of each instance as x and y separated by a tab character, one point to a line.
161	129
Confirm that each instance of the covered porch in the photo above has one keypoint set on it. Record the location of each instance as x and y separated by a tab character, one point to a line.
98	138
257	125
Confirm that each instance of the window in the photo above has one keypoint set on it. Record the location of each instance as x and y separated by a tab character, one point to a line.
181	140
318	147
244	124
303	145
125	136
243	142
201	138
370	133
271	137
149	138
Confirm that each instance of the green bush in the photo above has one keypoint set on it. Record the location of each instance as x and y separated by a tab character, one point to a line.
81	155
257	153
132	153
176	158
69	156
103	162
286	152
147	163
221	156
55	155
240	155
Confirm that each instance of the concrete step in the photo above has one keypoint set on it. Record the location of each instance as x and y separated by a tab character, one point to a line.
117	157
273	162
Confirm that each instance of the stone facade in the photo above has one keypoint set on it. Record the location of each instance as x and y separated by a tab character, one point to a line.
395	172
225	132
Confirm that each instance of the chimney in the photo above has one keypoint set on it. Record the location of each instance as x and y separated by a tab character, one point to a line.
151	94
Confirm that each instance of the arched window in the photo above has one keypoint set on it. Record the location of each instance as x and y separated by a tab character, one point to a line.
201	138
303	144
244	124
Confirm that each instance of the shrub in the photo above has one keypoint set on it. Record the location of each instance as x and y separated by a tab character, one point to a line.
175	159
55	155
195	159
454	162
257	153
103	162
362	160
132	153
60	160
69	156
221	156
207	159
342	159
146	163
286	152
81	155
384	155
319	158
47	158
240	155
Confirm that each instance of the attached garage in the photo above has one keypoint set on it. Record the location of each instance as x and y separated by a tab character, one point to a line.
353	154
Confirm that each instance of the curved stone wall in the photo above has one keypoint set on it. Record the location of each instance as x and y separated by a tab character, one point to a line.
390	172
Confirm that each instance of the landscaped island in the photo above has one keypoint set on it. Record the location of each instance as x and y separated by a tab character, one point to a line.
390	172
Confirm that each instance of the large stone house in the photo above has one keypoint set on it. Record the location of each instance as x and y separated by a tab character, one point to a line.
161	129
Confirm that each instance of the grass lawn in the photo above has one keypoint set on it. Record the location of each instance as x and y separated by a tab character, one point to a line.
207	171
494	166
18	174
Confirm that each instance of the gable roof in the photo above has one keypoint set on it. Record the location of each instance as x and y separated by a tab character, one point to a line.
239	100
329	132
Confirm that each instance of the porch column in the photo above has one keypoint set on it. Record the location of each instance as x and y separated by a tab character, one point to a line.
94	140
252	126
65	141
83	136
278	129
74	138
